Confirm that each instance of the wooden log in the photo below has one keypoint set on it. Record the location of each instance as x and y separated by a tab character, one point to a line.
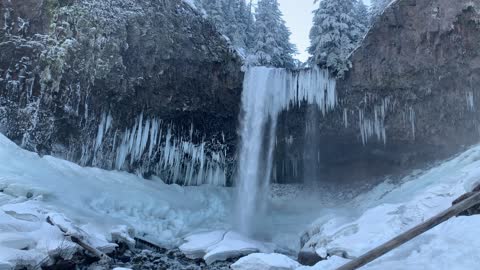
93	251
412	233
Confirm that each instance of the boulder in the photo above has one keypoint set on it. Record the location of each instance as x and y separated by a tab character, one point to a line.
265	262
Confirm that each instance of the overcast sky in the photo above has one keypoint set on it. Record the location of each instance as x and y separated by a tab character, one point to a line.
298	15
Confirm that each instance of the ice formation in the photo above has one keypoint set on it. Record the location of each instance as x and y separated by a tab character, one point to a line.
345	117
152	144
411	117
470	101
266	92
374	125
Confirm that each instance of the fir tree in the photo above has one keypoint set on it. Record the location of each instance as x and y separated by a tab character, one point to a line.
336	32
272	45
363	14
215	11
378	6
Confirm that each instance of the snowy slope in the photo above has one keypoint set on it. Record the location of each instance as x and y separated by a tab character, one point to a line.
101	205
389	210
95	203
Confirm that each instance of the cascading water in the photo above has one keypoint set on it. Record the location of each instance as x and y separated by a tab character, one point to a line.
267	92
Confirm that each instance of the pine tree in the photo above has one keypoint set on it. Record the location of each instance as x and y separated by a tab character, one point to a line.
363	14
234	19
378	6
272	45
250	26
336	32
215	11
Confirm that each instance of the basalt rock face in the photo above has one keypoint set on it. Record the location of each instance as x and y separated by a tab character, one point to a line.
411	98
139	85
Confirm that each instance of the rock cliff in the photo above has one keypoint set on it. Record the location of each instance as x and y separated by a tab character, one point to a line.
411	98
138	85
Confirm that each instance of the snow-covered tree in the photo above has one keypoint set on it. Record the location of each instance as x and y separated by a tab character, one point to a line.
240	22
215	11
363	14
378	6
337	30
263	38
272	46
233	18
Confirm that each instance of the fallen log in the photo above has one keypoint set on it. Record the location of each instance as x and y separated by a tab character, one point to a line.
453	211
93	251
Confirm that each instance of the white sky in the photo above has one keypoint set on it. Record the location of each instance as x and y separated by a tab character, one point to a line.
298	15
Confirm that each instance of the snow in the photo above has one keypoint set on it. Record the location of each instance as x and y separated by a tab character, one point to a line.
388	210
100	206
221	245
191	3
265	262
97	205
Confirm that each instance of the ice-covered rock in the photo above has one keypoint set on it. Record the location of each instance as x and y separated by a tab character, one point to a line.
159	57
97	206
221	245
263	261
389	210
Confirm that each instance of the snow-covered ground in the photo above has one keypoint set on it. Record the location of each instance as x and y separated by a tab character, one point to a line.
100	206
96	203
389	210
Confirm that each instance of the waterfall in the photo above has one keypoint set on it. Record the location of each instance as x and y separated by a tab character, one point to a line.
266	93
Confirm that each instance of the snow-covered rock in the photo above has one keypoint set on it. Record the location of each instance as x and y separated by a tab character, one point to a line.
388	210
95	205
221	245
126	45
263	261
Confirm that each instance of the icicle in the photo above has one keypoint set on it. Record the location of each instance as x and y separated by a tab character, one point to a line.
470	101
412	120
100	131
345	118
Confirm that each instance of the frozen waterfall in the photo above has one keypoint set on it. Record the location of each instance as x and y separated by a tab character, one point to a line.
267	92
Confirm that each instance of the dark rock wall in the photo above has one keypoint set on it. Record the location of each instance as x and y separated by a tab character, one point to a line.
77	75
418	71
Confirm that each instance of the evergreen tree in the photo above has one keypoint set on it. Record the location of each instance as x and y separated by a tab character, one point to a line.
363	14
215	11
272	45
378	6
234	19
336	32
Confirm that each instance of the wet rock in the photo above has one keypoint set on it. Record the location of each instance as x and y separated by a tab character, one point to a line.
308	256
475	210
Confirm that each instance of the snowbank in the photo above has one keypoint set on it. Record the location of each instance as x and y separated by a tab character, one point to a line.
265	262
100	206
221	245
389	210
95	204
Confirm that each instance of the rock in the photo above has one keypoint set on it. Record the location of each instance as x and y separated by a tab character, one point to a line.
308	257
417	71
475	210
77	76
221	246
265	262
